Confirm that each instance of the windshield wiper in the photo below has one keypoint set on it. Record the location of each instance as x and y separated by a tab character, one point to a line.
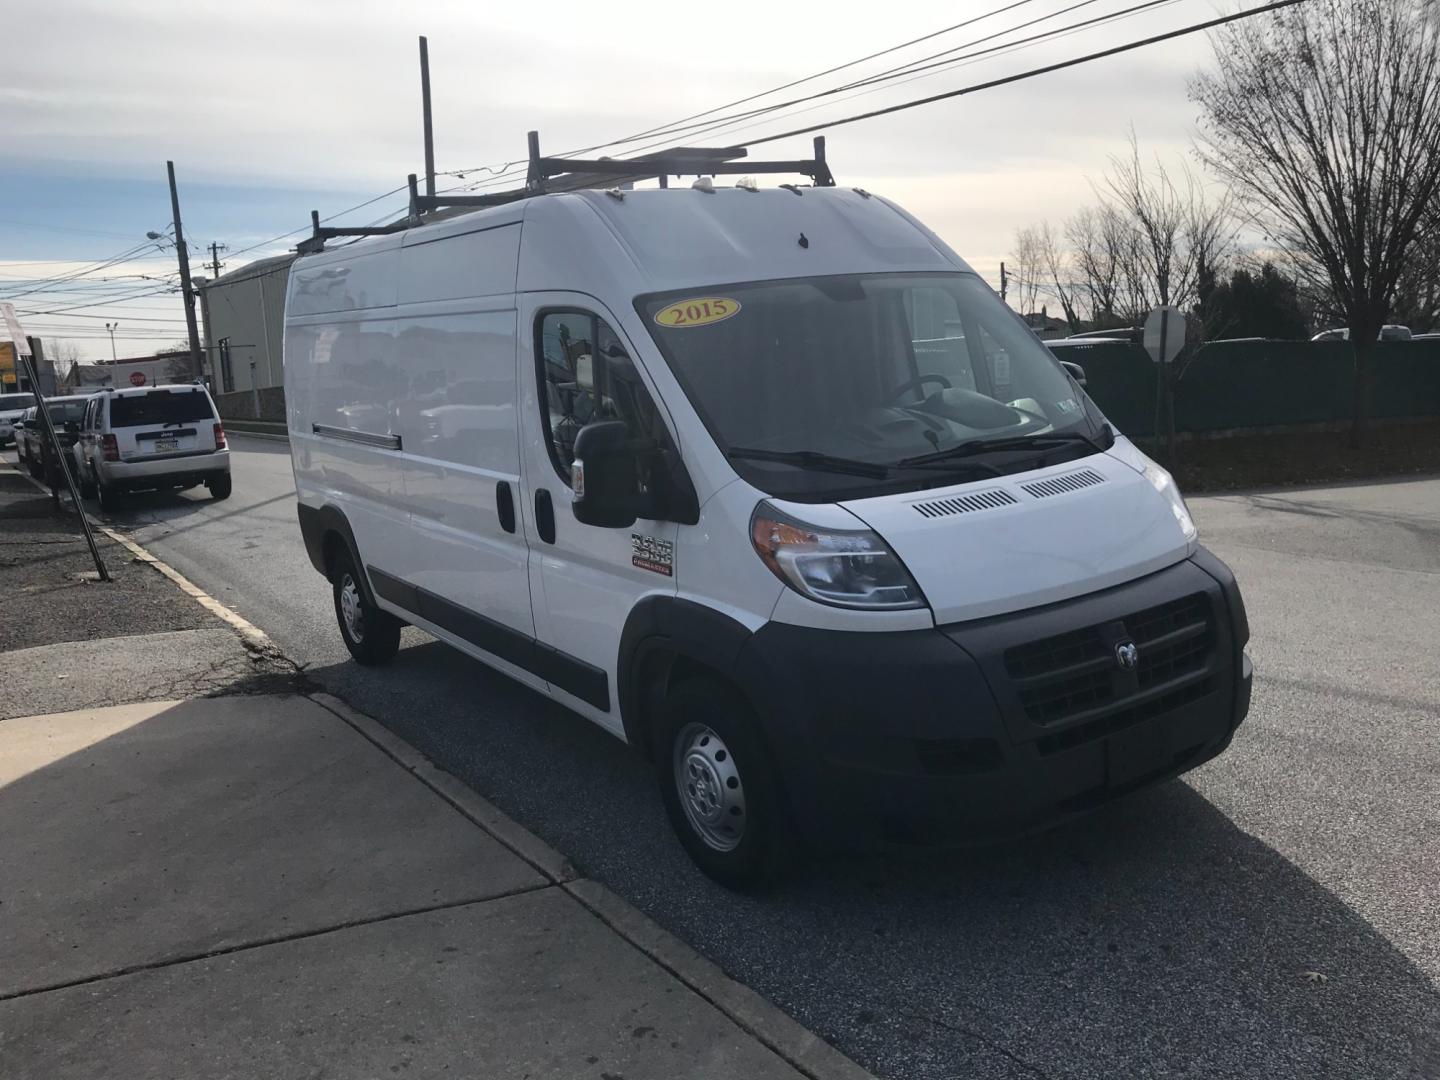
811	459
1021	442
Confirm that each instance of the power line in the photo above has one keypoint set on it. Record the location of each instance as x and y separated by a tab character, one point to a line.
907	74
669	128
1047	69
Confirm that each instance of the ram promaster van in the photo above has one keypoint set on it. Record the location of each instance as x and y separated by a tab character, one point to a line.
769	484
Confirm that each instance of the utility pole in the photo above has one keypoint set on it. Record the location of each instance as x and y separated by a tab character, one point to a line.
215	257
1004	283
186	289
110	326
425	116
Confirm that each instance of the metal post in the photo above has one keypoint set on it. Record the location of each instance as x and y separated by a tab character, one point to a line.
425	110
533	179
1162	377
22	354
111	327
254	392
186	289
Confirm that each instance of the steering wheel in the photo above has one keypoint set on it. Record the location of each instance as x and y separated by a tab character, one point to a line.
916	384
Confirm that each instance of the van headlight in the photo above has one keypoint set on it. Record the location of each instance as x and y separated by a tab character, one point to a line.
851	568
1164	483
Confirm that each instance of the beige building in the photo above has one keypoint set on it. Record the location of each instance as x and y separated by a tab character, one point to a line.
244	316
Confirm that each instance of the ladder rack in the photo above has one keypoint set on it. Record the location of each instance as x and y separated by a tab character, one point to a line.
552	175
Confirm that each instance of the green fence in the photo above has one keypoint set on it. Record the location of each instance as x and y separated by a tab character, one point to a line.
1250	384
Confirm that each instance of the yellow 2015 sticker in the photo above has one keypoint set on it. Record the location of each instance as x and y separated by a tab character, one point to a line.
702	311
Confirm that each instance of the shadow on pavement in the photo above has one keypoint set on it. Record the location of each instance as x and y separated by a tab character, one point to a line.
1152	938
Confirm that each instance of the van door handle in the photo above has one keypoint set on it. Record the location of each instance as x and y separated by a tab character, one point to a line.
544	515
505	506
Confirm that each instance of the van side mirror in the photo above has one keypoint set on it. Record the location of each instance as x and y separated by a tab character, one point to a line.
605	476
1075	370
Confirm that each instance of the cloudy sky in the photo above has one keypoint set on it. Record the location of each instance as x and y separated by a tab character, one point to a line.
270	108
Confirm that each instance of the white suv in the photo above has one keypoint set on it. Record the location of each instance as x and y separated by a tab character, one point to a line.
152	437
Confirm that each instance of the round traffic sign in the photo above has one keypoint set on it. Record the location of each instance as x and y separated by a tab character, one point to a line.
137	378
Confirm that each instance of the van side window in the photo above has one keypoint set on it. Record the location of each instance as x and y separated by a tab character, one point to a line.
587	374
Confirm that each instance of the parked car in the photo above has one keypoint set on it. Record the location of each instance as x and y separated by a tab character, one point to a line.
1389	332
30	442
17	432
145	437
11	406
708	494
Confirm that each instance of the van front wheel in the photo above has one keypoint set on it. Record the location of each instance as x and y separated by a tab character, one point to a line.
371	635
720	785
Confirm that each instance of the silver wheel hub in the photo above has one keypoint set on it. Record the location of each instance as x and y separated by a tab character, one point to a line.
708	784
350	608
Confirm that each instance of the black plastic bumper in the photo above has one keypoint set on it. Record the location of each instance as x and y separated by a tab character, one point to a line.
929	735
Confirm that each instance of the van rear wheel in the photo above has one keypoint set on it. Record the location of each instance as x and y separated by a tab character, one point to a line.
371	635
720	785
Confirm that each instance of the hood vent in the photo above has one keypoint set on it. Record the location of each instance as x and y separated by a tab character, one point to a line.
964	504
1059	485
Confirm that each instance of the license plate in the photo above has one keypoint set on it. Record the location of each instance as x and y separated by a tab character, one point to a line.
166	444
1135	753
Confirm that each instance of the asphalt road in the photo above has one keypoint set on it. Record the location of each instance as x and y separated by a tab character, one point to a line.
1274	914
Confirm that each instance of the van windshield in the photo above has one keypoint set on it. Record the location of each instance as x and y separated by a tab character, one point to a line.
851	378
160	407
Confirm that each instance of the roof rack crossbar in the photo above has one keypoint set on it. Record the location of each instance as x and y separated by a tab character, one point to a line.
556	174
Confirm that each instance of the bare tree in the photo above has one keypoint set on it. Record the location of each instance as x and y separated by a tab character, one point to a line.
1027	259
1325	119
64	355
1058	266
1179	233
1097	238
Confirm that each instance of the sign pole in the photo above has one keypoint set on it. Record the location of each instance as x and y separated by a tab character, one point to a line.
1164	340
24	355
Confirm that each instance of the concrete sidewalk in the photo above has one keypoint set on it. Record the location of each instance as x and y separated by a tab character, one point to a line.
271	885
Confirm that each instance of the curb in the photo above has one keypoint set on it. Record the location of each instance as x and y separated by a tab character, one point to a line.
763	1021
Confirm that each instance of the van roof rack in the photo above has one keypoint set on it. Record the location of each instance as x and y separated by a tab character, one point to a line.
552	175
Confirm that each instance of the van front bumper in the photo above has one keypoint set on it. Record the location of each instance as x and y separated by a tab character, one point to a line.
1001	726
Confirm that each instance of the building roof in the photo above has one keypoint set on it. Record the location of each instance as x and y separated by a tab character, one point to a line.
258	268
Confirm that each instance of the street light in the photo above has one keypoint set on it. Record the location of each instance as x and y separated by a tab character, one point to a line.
111	327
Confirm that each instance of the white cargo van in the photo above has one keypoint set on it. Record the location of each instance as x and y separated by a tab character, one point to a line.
770	485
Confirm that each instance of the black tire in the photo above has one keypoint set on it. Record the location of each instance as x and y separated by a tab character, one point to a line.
107	496
87	484
752	846
219	486
36	468
371	635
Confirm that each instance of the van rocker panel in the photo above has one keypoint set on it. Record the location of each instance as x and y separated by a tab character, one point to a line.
584	681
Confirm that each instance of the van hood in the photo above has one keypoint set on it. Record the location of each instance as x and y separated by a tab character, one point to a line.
1032	538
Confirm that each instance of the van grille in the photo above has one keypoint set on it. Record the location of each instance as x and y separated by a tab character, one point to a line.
1059	485
964	504
1075	677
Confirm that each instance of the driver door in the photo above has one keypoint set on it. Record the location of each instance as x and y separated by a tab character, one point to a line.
585	579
